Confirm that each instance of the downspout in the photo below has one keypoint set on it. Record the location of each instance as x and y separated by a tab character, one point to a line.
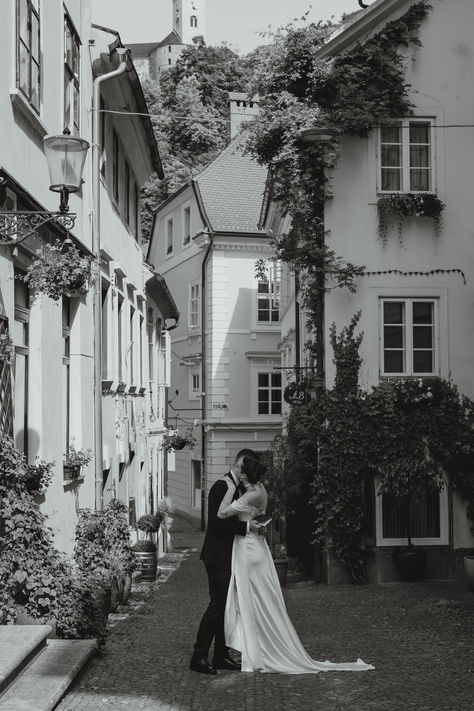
297	329
203	385
97	304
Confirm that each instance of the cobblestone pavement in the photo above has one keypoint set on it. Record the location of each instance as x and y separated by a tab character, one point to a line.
419	636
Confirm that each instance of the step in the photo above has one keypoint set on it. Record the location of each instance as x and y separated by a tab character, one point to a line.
45	681
18	645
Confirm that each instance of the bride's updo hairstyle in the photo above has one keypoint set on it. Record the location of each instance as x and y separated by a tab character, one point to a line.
253	469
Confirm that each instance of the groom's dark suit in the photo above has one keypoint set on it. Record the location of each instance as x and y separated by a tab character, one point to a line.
217	557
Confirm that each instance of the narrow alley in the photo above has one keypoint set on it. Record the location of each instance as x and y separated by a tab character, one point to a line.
418	636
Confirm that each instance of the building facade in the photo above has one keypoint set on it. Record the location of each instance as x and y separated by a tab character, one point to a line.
226	385
47	393
416	295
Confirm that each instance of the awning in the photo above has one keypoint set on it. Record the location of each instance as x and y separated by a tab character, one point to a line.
157	289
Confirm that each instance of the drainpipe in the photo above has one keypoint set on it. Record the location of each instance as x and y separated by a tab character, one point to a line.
97	307
203	386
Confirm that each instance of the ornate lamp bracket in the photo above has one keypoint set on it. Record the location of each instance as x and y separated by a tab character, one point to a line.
17	226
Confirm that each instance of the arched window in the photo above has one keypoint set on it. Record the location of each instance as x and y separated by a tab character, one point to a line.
194	21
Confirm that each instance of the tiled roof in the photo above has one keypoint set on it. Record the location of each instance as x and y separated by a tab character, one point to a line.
142	49
232	189
172	38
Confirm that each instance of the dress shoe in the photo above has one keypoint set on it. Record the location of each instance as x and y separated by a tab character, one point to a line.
202	666
226	663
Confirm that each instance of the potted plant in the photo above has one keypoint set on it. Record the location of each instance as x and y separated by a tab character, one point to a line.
122	560
393	208
145	549
172	440
55	271
409	479
73	462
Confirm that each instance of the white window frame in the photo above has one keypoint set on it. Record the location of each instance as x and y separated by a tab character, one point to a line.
273	296
195	392
25	50
405	181
194	305
408	341
270	371
72	94
443	538
186	224
169	236
164	359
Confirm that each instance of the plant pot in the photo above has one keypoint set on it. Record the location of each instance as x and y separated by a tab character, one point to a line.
71	472
281	567
147	564
469	570
411	564
115	595
178	444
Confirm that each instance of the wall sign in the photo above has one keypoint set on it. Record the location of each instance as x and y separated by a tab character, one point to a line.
296	394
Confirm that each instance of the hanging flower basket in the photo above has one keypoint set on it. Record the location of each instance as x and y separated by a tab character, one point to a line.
7	349
393	208
55	271
73	462
174	441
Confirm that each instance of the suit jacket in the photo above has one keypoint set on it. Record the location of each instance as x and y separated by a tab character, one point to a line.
217	547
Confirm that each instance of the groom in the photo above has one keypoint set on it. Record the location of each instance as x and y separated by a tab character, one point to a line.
217	557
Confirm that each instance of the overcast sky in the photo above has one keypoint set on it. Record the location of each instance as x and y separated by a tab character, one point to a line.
236	22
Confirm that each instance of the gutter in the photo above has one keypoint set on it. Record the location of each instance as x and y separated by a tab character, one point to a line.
97	305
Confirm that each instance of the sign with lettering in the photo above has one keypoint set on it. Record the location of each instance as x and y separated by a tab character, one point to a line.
296	394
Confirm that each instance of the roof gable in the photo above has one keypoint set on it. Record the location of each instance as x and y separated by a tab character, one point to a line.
231	189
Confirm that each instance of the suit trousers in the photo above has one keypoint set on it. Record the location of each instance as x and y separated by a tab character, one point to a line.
212	623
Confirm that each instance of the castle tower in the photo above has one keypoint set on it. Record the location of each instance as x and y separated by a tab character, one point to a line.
189	19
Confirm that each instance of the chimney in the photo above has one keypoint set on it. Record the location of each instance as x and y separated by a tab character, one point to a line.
239	110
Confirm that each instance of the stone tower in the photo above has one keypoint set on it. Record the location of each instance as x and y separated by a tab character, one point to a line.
189	19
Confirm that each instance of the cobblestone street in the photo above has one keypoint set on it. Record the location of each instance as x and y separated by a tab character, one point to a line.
419	637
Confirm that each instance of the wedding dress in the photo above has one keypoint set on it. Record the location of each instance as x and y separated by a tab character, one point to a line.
256	620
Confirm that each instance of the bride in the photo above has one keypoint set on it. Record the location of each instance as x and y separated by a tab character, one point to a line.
256	620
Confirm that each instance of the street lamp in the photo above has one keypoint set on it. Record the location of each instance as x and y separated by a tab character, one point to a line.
65	155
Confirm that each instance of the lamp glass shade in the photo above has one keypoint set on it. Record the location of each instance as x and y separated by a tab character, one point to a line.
318	135
66	156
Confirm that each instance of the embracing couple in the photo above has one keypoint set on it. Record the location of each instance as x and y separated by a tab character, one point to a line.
246	610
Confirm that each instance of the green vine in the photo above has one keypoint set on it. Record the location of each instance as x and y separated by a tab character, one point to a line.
351	93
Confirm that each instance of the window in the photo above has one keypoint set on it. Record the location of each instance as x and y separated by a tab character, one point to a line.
103	130
131	346
137	212
120	337
169	62
115	165
21	342
268	297
193	21
409	336
194	305
406	156
194	385
28	72
164	359
429	519
71	77
127	194
105	328
141	336
169	48
66	332
196	482
269	393
169	236
186	225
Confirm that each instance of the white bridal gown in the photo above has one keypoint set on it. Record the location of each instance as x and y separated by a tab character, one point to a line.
256	620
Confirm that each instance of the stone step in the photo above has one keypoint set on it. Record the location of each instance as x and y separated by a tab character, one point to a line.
18	645
45	681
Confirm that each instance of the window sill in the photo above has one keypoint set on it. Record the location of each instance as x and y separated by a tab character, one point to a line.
21	105
71	483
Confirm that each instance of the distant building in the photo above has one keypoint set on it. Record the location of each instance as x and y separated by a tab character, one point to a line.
189	21
225	361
